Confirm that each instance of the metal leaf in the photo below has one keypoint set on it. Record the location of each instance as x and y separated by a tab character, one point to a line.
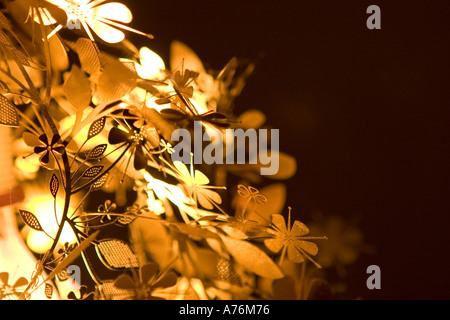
8	113
78	89
89	55
30	220
21	57
4	40
116	254
48	290
252	258
54	185
92	172
4	22
116	81
99	183
97	152
96	127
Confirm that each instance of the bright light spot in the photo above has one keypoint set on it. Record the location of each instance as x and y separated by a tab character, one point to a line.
152	64
42	206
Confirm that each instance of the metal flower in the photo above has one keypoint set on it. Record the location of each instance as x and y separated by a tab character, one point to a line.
8	291
291	240
149	280
47	149
104	19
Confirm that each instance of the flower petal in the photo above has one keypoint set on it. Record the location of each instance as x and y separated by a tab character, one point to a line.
307	246
55	139
204	201
43	138
59	150
20	282
184	172
38	150
167	281
106	32
30	139
4	277
148	272
279	222
140	161
45	158
124	282
274	244
117	136
200	178
113	11
299	229
294	254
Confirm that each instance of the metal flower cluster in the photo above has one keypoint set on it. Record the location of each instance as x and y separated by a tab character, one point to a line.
93	117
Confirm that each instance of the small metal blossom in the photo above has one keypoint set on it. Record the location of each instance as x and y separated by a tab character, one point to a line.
146	284
84	295
104	19
291	240
47	148
106	208
8	291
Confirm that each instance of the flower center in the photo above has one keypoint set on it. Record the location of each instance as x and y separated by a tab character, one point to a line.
8	290
289	237
138	137
76	11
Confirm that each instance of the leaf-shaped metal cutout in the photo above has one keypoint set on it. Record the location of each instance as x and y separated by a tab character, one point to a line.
97	185
8	113
97	152
89	55
92	172
78	89
252	258
4	22
22	58
116	254
4	40
96	127
48	290
116	81
54	185
30	220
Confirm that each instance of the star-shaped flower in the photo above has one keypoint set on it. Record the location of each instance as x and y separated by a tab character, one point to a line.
48	150
149	280
291	240
104	19
196	184
8	291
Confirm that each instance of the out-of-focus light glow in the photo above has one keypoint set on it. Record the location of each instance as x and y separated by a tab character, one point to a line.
29	165
43	208
152	65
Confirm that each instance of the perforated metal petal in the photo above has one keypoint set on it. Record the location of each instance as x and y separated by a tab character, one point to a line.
111	292
54	185
96	127
30	220
8	113
116	254
92	172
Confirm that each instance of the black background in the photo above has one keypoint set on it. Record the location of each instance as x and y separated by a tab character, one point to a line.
363	111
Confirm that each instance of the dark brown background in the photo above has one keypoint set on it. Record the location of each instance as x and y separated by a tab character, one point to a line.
364	111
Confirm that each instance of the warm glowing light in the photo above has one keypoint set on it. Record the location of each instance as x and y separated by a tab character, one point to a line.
152	65
43	208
